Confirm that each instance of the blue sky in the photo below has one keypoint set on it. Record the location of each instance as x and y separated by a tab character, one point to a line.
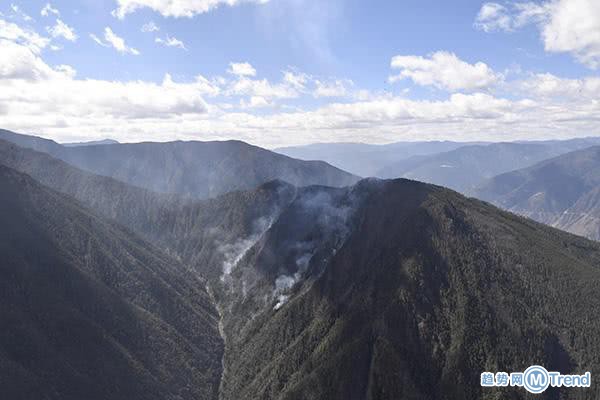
283	72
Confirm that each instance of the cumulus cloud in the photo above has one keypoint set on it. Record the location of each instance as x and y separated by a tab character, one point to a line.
33	93
549	85
150	27
444	70
167	111
48	9
169	41
241	69
337	88
26	37
494	16
54	101
573	26
22	62
296	79
566	26
46	94
60	29
176	8
111	39
255	102
497	17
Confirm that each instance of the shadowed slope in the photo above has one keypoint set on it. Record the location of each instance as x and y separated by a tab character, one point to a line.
90	311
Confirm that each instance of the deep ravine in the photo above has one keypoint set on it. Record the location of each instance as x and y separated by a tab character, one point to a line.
221	334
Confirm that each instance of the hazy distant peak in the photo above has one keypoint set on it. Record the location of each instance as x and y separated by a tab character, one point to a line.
92	143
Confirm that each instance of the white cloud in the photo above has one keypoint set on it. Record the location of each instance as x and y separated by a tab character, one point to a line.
112	40
241	69
337	88
297	80
171	42
34	93
54	101
66	70
497	17
574	27
150	27
22	62
494	16
37	97
176	8
566	26
26	37
255	102
549	85
261	88
48	9
17	10
60	29
98	40
444	70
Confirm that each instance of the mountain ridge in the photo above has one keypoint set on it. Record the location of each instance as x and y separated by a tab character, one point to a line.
561	192
194	169
465	168
386	289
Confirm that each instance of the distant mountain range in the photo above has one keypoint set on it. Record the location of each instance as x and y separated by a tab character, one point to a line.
465	168
92	143
459	166
563	192
367	160
194	169
382	290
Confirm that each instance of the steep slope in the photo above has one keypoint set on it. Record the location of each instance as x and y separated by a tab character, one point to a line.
465	168
195	169
137	208
400	290
177	223
563	192
367	159
90	311
387	289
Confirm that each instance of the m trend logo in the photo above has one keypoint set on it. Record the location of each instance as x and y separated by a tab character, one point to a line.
536	379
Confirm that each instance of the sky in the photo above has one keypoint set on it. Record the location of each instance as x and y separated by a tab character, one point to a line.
290	72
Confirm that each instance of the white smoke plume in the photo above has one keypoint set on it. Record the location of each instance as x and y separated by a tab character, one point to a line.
234	252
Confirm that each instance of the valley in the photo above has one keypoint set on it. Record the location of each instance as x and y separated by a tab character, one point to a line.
360	284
